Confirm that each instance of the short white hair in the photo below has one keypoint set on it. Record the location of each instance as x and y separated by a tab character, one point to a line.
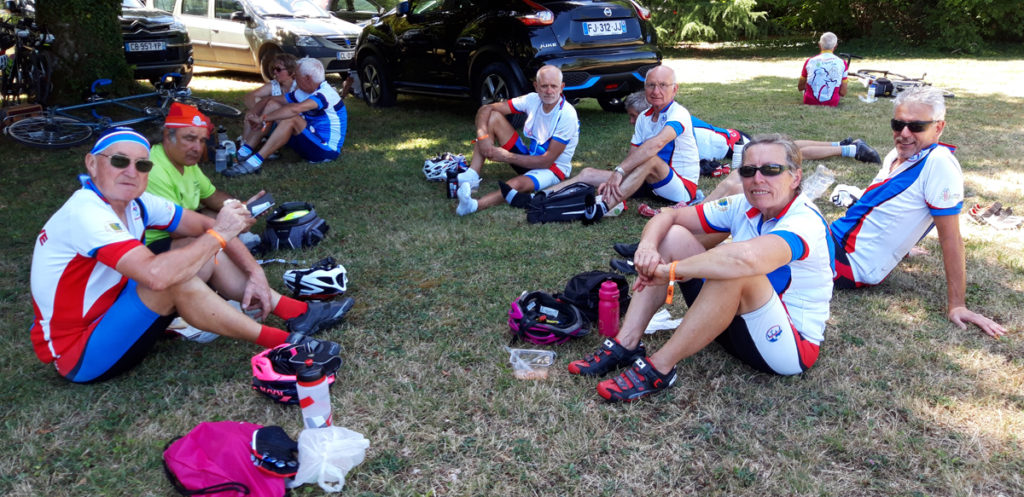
637	102
311	67
924	95
828	41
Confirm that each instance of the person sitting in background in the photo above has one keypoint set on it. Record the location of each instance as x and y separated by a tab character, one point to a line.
823	77
764	297
101	298
283	68
312	120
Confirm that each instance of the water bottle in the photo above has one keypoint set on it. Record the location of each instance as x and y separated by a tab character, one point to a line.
871	92
452	184
314	397
818	182
220	159
608	309
229	149
222	134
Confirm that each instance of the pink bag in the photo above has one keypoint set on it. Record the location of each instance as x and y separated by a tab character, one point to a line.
214	459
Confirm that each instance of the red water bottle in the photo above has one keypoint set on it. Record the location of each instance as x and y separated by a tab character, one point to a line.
608	309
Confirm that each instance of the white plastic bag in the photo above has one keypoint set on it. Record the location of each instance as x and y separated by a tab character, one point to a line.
326	455
662	320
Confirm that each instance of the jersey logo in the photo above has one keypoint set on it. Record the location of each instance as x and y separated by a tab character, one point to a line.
115	228
773	333
42	237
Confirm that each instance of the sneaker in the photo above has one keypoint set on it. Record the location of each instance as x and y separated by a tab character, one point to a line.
320	316
647	211
624	266
626	250
865	153
241	169
846	141
636	382
609	357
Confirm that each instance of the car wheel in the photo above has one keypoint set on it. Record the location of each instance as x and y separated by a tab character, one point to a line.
186	78
612	104
376	88
495	83
267	63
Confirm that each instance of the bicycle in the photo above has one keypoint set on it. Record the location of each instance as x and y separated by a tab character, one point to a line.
883	78
27	70
63	127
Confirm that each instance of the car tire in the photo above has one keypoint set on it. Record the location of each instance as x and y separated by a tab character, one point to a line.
612	104
186	78
267	63
376	88
494	83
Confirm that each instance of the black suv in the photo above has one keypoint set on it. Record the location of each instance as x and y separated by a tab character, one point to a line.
155	42
491	49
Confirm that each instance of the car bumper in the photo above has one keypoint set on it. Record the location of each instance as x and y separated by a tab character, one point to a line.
336	58
595	76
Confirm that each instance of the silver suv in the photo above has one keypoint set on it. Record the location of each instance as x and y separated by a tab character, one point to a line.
245	35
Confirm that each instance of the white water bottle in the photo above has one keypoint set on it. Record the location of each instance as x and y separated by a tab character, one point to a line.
314	397
818	182
220	159
229	149
871	92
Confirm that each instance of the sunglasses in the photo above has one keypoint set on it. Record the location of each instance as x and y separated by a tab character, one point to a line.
122	161
279	69
766	170
915	126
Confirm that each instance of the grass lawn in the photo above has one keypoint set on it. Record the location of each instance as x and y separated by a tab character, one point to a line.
901	402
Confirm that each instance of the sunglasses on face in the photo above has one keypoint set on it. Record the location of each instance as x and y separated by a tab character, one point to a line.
766	170
915	126
122	161
279	69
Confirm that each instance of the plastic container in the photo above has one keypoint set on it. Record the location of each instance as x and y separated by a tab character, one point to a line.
872	88
220	159
531	364
608	309
816	185
222	134
452	183
314	397
229	148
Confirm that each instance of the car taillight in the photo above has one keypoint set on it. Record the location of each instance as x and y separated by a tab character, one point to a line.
642	12
541	16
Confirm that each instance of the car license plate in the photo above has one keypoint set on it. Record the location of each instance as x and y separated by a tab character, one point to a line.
604	28
146	46
346	55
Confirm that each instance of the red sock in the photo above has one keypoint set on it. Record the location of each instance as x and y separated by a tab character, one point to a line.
271	337
288	308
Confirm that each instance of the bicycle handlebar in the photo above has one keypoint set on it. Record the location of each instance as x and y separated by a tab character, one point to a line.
99	82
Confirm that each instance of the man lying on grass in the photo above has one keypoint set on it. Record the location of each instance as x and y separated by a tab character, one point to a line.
764	297
102	298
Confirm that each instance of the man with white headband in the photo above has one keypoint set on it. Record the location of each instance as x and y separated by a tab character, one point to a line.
101	298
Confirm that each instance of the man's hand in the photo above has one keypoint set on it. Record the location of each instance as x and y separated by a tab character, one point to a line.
257	293
232	219
610	189
254	120
658	277
960	316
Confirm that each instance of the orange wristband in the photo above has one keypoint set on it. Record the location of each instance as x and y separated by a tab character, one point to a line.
480	138
220	239
671	279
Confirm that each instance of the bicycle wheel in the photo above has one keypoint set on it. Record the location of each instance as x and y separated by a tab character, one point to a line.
39	82
212	107
872	74
50	131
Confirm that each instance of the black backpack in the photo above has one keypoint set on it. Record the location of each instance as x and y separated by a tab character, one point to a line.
884	88
575	202
288	231
581	291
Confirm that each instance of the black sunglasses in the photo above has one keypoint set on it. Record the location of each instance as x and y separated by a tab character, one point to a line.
766	170
915	126
122	161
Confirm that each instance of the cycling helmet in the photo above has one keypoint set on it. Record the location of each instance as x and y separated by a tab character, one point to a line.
274	370
437	167
293	225
540	318
322	281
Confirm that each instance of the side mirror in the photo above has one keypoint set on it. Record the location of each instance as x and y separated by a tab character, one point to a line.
240	16
403	8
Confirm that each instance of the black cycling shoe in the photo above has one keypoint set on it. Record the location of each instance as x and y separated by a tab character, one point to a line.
609	357
623	266
636	382
865	153
320	316
846	141
626	250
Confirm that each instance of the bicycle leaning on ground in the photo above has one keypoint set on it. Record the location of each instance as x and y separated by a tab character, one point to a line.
887	83
62	127
26	71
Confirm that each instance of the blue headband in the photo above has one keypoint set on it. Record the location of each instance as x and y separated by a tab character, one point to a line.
117	135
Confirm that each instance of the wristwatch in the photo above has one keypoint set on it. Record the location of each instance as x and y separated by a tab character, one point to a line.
621	171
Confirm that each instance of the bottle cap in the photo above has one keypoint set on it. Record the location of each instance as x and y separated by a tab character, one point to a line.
309	374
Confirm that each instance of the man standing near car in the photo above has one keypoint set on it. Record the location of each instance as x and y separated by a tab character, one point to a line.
552	128
312	120
823	79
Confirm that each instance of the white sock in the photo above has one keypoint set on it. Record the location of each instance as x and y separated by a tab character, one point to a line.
245	151
468	176
467	204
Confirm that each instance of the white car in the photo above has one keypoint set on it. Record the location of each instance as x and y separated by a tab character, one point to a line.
245	35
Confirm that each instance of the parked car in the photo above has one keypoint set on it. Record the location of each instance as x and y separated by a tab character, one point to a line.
155	42
489	50
244	35
358	12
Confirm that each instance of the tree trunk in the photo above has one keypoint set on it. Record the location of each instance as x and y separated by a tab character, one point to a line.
87	46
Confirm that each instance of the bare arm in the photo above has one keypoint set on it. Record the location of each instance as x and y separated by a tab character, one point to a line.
842	89
953	262
256	95
802	84
757	256
636	156
288	111
528	161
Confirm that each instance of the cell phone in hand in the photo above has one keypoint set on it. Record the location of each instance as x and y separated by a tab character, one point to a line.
261	205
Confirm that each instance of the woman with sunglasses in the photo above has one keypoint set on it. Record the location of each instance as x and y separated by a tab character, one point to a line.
764	297
283	81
